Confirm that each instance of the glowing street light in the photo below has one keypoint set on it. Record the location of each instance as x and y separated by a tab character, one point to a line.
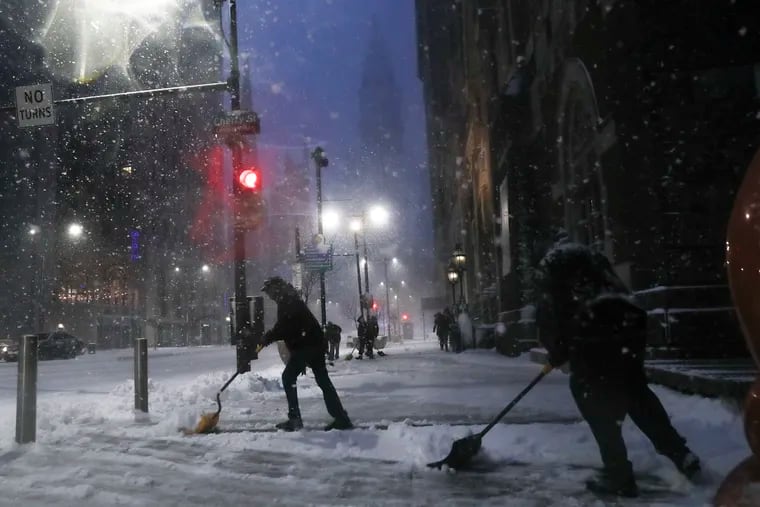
379	215
330	220
75	230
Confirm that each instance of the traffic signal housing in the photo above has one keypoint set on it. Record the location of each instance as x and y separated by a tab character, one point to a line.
249	179
247	200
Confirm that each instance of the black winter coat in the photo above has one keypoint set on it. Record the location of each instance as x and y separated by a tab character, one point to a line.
296	325
585	314
373	329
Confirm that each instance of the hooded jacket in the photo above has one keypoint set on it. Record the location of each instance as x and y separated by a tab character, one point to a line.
584	312
295	325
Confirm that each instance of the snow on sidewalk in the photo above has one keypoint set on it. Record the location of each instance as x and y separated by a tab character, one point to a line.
90	450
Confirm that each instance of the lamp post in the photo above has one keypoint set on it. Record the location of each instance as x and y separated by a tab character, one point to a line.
387	300
453	276
320	161
355	227
459	261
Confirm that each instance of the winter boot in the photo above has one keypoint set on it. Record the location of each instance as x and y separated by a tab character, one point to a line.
689	466
359	357
292	424
607	484
340	423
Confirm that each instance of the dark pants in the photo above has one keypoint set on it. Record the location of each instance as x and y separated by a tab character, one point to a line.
334	350
314	358
366	345
605	400
443	341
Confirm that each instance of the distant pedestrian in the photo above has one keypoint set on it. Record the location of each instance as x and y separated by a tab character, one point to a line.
361	338
373	330
455	334
332	332
441	327
585	315
303	336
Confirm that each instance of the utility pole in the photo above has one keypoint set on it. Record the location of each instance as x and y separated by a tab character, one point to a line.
387	300
366	259
358	274
243	339
320	161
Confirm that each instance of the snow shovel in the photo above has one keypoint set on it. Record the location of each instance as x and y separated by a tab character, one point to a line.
464	449
209	420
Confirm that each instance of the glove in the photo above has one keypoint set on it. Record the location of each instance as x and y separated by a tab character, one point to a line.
268	339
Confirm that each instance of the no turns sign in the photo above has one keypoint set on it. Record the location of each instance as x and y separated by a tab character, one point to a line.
34	105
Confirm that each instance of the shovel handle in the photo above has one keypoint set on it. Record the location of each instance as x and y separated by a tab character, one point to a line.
219	394
511	405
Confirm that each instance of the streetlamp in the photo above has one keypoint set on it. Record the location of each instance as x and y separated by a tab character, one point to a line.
320	161
356	227
459	262
453	276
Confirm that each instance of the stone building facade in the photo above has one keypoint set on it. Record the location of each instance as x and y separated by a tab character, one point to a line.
629	124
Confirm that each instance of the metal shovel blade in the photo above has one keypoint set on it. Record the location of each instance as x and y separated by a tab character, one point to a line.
462	451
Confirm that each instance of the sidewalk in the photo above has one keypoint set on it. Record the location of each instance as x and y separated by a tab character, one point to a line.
91	452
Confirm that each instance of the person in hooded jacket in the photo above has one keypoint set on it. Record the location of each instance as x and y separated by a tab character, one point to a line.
373	330
586	316
332	332
361	336
441	325
303	336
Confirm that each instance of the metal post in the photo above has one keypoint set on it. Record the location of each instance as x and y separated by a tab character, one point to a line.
243	338
141	375
461	287
387	300
358	274
366	259
26	393
322	294
454	294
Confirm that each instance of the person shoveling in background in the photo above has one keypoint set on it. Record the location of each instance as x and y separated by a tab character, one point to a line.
303	335
332	332
585	315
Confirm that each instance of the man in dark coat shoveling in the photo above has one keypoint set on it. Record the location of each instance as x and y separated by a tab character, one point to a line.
585	316
303	335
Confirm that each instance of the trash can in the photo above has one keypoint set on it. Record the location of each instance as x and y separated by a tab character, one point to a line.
91	348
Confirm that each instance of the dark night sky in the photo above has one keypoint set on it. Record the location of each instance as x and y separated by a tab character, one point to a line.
307	57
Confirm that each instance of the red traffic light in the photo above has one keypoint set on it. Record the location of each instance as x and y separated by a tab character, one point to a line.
374	306
404	316
249	179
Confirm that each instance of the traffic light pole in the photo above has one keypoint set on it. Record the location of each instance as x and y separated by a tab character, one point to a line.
387	300
320	161
243	338
366	260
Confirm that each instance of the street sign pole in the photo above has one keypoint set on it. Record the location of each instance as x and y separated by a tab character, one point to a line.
243	338
320	161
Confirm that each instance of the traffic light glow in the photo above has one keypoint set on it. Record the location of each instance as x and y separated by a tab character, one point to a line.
249	179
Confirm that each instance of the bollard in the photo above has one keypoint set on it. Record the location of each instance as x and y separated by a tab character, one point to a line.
141	375
26	397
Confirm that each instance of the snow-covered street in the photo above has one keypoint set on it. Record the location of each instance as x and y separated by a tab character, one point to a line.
90	449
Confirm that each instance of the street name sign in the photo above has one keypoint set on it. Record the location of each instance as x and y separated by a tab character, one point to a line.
237	122
317	259
34	105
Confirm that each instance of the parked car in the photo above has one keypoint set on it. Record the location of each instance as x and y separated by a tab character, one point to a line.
8	350
59	345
